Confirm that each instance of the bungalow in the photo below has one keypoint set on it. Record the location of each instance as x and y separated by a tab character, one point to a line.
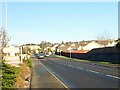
85	46
62	47
107	43
53	48
92	45
72	47
32	47
12	55
89	45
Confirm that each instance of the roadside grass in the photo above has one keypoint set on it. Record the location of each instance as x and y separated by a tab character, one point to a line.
29	62
85	61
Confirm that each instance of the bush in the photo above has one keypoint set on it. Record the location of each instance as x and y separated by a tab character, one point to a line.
9	74
13	77
30	63
118	45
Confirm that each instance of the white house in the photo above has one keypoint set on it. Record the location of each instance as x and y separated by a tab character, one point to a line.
32	47
112	43
12	55
92	45
53	48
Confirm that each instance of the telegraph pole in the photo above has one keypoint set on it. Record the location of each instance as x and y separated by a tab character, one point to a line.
6	30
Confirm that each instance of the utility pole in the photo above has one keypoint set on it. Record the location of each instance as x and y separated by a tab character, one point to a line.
6	30
21	60
70	53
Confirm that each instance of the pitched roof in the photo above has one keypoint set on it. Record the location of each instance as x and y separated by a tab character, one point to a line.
104	42
84	43
63	48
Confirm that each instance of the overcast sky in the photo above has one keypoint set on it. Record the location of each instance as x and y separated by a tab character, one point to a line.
33	22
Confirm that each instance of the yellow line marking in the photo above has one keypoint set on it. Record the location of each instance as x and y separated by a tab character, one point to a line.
54	75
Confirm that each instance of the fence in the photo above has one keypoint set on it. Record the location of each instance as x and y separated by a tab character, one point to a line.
109	54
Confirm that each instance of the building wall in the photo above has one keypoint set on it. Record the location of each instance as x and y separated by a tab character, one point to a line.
11	58
112	44
79	48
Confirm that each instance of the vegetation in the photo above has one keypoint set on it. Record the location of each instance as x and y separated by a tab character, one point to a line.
118	43
30	63
80	60
14	77
26	50
3	38
9	74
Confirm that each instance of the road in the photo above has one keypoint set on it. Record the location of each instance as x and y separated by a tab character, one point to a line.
82	75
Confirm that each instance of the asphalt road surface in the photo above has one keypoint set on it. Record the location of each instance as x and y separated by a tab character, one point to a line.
82	75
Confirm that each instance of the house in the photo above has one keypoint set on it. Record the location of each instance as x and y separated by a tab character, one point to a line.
62	47
85	46
89	45
32	47
53	48
107	43
92	45
73	46
12	55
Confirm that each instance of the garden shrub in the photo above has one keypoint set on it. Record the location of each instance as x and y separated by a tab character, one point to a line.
9	74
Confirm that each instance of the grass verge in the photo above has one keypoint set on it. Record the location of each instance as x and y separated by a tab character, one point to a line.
85	61
80	60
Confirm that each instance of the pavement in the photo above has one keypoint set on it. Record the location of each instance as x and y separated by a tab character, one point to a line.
43	78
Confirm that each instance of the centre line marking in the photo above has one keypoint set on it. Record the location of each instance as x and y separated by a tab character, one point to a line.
112	76
93	71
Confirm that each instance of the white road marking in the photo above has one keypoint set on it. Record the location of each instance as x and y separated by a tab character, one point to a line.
93	71
79	68
63	64
70	65
54	75
112	76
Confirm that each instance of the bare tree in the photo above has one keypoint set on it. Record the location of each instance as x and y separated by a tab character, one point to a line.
104	36
3	38
3	41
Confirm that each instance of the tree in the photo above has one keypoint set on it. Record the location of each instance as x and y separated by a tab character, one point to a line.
44	45
118	43
104	36
62	42
26	50
3	40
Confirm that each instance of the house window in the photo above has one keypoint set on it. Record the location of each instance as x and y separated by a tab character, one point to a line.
16	54
8	54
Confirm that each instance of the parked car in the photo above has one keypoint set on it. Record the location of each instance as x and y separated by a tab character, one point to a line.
47	55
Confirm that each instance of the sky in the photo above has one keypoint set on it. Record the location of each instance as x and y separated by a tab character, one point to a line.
33	22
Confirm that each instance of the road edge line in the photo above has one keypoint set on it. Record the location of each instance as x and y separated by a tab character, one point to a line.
54	75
